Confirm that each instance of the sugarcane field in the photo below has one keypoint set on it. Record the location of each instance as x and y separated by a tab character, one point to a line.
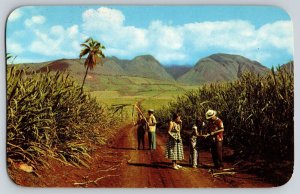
113	97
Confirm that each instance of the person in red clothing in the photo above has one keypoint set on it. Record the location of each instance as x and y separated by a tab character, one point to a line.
215	128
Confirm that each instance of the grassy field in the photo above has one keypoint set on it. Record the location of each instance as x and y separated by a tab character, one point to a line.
130	90
124	89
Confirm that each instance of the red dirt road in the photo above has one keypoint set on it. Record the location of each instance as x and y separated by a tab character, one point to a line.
150	168
122	165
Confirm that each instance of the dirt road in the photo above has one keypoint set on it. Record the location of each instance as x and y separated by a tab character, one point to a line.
121	165
150	168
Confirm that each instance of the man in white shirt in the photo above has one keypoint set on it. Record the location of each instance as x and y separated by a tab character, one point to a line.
151	130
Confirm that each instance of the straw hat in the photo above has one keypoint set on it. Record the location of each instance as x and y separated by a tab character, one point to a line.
151	110
210	113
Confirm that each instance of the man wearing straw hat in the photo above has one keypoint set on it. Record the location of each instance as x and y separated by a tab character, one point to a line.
152	128
215	128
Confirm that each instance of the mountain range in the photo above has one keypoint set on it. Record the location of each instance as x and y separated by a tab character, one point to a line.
221	67
216	67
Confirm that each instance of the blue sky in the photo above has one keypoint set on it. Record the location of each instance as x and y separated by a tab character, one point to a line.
173	34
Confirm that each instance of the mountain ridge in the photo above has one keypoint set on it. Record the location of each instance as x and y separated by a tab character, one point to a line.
216	67
221	67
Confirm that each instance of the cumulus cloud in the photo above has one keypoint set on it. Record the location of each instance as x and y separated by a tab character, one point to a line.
58	41
278	34
169	43
15	15
224	34
102	18
165	36
107	25
39	19
183	43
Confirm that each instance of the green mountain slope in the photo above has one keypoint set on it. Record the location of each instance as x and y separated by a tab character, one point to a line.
141	66
147	66
177	70
220	67
217	67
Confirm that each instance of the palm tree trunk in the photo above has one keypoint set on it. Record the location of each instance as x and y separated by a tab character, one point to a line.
87	68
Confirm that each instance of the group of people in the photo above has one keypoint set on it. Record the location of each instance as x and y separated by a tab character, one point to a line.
146	125
213	128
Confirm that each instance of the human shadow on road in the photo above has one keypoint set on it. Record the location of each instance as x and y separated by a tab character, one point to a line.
202	165
170	164
151	165
206	166
123	148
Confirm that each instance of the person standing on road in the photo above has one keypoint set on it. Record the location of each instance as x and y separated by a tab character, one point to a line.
215	128
193	147
141	129
174	148
151	130
201	128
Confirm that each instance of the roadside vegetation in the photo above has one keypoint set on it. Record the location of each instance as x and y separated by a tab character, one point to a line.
257	111
49	115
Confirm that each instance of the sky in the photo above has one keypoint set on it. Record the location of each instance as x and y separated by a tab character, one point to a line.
174	35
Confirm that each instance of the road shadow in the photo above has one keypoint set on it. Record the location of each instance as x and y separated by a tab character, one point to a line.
167	165
205	166
151	165
170	164
123	148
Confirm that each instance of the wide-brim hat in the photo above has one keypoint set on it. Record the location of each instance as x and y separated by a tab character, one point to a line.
210	113
151	110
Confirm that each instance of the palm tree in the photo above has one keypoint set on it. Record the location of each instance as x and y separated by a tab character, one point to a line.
93	49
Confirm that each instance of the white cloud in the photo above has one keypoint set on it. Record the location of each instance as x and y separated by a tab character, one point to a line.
107	26
57	30
233	34
278	34
166	36
57	42
15	15
73	31
39	19
169	43
14	48
102	18
21	59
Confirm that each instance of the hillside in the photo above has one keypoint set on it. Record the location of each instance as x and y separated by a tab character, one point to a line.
147	66
217	67
75	66
177	70
141	66
220	67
